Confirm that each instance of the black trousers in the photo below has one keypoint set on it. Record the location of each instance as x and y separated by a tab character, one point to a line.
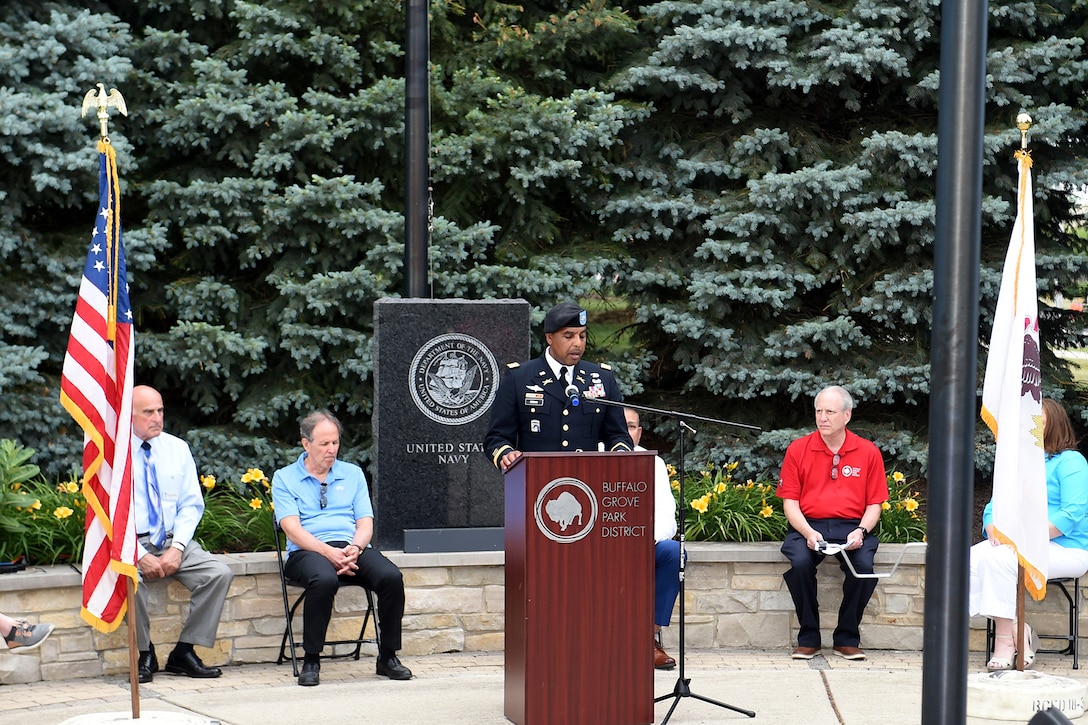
318	575
801	581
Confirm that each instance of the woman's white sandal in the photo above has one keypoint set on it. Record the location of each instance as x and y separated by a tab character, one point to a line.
1031	638
997	664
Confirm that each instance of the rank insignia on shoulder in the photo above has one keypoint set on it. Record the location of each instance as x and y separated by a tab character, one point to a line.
513	365
605	366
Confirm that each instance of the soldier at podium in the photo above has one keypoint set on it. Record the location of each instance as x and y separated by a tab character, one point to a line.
547	404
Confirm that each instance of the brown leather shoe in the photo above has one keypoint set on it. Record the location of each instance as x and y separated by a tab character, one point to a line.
849	653
662	661
805	653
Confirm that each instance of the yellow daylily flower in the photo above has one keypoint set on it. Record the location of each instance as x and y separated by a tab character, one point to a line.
253	475
255	503
885	506
766	512
720	488
701	504
910	504
898	477
208	482
62	512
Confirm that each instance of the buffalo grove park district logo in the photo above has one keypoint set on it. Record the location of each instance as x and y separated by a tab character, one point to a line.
453	379
565	510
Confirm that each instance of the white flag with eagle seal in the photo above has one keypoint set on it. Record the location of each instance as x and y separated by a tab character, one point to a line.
1012	402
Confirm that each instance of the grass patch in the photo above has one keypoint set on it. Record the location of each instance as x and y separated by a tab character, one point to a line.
1078	364
611	324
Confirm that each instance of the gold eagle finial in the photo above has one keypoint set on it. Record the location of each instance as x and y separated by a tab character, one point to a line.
102	101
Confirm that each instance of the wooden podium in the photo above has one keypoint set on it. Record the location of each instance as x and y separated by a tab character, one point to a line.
579	589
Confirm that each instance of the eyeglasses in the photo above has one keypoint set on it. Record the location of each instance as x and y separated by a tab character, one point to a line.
325	491
834	470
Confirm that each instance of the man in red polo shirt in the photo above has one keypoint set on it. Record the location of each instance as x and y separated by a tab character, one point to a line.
832	486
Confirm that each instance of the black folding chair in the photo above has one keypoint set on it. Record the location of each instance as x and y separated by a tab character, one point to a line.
1072	635
289	613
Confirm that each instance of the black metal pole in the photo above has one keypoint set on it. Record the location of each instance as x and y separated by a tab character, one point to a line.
417	143
682	688
953	359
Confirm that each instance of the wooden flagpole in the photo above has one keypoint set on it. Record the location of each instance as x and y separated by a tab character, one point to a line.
1019	633
133	650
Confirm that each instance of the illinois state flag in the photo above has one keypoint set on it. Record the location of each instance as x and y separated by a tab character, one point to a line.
1012	400
96	389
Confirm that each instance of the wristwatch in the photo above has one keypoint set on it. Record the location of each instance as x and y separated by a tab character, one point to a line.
178	545
864	531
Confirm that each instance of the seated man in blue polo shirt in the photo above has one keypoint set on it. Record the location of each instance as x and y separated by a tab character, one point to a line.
323	505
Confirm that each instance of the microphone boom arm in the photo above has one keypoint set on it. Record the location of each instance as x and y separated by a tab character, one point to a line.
681	417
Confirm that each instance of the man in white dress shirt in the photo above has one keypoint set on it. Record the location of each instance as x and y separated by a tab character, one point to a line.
666	548
168	506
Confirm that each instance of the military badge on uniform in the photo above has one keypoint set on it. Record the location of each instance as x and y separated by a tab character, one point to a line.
534	399
534	426
595	391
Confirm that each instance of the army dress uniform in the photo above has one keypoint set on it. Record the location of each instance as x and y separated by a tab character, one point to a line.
532	412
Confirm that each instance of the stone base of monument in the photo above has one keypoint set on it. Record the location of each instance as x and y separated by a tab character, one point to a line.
146	718
1018	696
433	541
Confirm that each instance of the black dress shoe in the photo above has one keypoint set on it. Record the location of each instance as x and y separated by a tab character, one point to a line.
393	669
189	664
310	675
147	665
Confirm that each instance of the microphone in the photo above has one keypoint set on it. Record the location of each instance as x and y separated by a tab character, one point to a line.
572	395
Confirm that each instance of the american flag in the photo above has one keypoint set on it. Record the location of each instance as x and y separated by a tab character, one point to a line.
96	389
1012	400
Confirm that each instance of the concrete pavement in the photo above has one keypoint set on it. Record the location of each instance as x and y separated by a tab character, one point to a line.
467	688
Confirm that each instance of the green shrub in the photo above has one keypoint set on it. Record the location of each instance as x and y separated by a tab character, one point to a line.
38	521
902	519
722	509
52	525
237	517
43	522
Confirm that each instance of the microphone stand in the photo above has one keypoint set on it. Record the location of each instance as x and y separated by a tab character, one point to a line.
682	688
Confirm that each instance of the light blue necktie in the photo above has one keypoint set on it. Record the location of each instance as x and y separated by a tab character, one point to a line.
154	499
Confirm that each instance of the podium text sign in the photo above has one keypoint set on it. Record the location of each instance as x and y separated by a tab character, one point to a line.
579	589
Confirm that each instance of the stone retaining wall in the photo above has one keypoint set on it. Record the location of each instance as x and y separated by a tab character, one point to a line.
735	597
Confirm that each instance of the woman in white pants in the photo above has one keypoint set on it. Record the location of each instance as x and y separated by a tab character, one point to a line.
994	565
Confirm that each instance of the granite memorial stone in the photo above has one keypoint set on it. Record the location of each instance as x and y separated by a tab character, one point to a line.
437	366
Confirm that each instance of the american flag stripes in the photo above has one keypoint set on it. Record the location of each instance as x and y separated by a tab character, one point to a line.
96	389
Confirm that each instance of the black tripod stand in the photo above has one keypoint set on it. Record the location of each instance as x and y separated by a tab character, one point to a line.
682	688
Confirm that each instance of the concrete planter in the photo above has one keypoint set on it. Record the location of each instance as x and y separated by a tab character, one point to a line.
734	598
